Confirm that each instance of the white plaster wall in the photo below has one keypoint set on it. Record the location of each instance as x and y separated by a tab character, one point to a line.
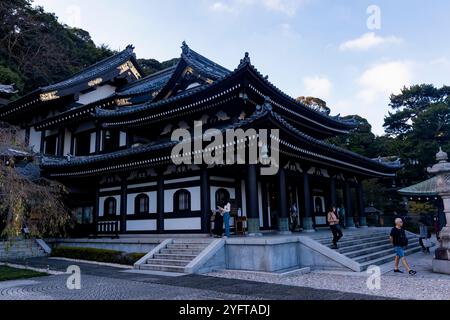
183	224
123	139
35	140
152	202
93	141
67	141
141	225
102	205
195	199
100	93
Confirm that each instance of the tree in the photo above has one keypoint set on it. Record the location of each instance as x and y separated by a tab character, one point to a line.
28	200
419	125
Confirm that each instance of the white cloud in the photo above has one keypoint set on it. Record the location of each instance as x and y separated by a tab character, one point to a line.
288	7
369	41
317	86
384	79
221	7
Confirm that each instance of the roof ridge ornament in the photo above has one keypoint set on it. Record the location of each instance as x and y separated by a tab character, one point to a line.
245	61
130	48
185	48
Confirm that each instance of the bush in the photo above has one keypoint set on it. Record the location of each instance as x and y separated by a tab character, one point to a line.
98	255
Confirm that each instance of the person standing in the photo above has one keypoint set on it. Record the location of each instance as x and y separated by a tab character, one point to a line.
333	221
226	217
341	212
218	223
400	242
424	235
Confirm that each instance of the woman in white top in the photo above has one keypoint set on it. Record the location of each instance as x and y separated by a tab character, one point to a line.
226	211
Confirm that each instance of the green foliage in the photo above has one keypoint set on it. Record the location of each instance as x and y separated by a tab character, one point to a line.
99	255
8	273
36	50
151	65
419	124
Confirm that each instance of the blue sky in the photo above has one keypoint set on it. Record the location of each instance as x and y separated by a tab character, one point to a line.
322	48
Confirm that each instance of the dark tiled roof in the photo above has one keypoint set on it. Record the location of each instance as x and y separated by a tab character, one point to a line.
150	83
53	162
203	64
336	149
7	89
94	70
425	188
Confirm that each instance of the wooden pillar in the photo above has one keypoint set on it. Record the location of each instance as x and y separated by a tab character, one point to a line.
308	225
205	199
123	205
349	209
333	194
283	213
265	204
160	201
98	140
251	186
362	206
96	207
43	134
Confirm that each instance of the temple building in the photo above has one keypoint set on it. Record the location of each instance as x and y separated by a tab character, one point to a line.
106	134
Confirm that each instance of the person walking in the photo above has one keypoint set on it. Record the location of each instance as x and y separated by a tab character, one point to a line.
226	211
400	242
333	221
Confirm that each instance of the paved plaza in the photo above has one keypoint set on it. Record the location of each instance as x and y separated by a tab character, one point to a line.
426	285
110	283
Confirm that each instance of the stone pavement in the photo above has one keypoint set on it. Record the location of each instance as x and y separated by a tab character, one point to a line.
103	282
426	285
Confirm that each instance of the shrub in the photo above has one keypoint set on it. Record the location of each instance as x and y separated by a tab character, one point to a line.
98	255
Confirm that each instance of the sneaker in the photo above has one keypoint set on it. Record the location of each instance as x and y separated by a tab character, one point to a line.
334	247
398	271
412	272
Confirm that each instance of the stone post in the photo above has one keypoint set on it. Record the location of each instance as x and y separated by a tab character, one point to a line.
441	262
362	207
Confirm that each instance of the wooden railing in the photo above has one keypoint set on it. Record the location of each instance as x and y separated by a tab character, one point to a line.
110	228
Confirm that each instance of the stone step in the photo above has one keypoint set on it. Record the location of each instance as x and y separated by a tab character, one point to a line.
165	268
361	246
167	262
387	258
379	254
346	242
366	251
189	257
186	246
351	236
181	251
192	241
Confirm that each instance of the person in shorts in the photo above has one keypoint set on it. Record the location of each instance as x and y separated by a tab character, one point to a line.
400	242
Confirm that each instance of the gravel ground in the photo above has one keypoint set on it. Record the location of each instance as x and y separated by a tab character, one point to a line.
426	285
391	286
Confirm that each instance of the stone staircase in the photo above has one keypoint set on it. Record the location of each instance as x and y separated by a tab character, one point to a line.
369	248
175	256
20	249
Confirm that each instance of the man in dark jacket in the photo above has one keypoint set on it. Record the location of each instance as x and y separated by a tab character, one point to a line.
400	242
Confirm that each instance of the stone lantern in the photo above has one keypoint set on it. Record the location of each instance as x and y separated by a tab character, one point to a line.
441	262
